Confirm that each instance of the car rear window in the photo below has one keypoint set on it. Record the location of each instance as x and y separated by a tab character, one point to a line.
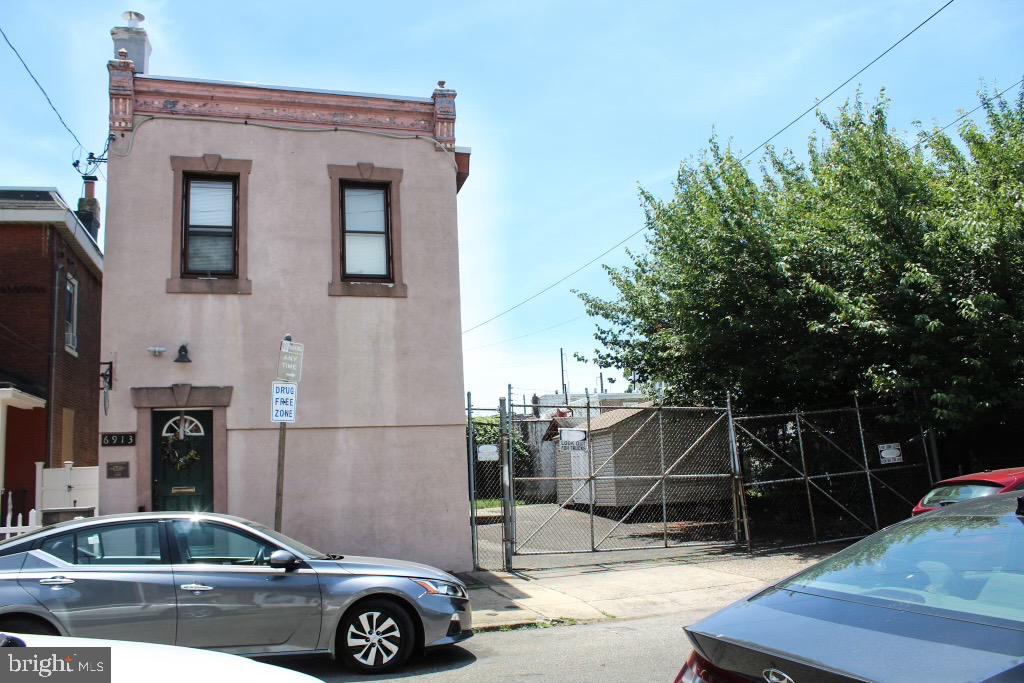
957	493
961	565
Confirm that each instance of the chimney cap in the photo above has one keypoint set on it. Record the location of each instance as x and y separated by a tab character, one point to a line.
133	18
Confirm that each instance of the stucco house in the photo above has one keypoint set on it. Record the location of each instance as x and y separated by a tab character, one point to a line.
239	213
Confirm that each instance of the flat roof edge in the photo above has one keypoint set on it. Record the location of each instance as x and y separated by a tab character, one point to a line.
285	88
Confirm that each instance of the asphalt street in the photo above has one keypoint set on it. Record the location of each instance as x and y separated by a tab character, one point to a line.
651	649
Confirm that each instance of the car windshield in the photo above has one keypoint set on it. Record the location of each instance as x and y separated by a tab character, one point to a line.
968	565
957	493
310	553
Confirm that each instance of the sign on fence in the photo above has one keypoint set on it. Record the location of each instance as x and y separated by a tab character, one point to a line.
487	453
890	453
572	439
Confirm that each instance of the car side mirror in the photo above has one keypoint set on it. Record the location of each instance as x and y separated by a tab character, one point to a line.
282	559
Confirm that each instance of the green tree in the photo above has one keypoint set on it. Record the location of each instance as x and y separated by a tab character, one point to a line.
892	269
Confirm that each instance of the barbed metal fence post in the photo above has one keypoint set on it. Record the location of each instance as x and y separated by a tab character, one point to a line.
807	482
506	483
471	451
867	465
590	471
737	470
664	474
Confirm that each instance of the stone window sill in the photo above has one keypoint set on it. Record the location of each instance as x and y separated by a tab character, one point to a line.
208	286
382	289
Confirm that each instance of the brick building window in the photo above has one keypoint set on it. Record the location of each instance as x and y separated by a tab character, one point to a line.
71	316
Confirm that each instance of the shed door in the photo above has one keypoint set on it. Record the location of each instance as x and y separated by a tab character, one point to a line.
580	463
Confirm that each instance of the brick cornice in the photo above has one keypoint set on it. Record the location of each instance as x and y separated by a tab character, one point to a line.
151	96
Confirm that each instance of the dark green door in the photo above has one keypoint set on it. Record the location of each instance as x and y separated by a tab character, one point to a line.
183	460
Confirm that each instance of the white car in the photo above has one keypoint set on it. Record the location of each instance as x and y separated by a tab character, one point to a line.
134	662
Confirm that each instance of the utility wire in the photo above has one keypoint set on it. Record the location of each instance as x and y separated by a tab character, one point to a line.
923	141
558	281
41	88
839	87
528	334
746	156
960	118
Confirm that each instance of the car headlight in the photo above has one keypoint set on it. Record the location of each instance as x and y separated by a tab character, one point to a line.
435	587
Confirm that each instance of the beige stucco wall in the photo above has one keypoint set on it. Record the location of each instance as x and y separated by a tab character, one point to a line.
380	418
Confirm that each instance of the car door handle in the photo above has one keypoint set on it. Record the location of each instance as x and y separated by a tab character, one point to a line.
195	587
56	581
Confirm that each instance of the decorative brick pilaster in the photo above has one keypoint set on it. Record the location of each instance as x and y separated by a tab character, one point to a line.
122	92
444	115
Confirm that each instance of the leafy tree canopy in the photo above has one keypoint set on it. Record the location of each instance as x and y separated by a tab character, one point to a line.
892	269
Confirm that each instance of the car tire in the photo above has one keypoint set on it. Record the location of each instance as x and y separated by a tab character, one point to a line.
375	636
27	625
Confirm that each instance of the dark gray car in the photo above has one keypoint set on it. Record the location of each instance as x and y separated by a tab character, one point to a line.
936	598
224	583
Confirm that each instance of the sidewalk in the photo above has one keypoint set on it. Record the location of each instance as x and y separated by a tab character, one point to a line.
695	585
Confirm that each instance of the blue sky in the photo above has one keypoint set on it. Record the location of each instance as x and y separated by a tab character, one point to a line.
568	106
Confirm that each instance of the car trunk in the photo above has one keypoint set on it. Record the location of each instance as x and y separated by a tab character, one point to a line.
813	638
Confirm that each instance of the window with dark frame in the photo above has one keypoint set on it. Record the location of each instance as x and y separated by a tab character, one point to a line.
210	231
71	315
366	232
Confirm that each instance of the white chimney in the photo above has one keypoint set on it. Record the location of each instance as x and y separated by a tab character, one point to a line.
134	40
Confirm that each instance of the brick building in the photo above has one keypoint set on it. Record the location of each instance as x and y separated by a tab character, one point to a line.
51	274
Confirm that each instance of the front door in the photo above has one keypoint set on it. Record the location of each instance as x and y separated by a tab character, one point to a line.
183	460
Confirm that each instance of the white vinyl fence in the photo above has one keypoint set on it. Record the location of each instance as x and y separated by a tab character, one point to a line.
67	487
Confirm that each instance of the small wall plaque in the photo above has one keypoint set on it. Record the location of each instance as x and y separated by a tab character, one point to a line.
118	470
117	439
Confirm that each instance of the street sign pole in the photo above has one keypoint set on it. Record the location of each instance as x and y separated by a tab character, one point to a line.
284	400
282	432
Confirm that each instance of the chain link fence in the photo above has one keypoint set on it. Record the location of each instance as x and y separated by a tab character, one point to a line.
585	478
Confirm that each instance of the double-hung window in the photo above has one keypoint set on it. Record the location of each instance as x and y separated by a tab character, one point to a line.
210	231
366	247
71	315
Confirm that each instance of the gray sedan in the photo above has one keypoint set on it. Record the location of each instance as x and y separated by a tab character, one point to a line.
224	583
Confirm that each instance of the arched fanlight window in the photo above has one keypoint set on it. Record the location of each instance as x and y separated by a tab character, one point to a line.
181	426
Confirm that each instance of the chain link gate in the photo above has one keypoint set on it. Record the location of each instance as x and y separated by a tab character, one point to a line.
587	478
580	478
818	476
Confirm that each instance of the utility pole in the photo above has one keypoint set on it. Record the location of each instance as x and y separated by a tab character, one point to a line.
561	359
600	377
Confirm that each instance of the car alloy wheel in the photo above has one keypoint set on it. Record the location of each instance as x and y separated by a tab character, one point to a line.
376	636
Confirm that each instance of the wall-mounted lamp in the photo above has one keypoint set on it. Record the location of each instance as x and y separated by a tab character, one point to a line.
183	354
156	350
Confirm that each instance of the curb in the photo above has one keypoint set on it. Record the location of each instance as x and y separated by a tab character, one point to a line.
536	623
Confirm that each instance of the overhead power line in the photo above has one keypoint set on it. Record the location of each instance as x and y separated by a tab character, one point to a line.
559	280
960	118
746	156
41	88
923	141
528	334
842	85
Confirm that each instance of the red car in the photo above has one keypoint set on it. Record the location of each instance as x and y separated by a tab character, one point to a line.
967	486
